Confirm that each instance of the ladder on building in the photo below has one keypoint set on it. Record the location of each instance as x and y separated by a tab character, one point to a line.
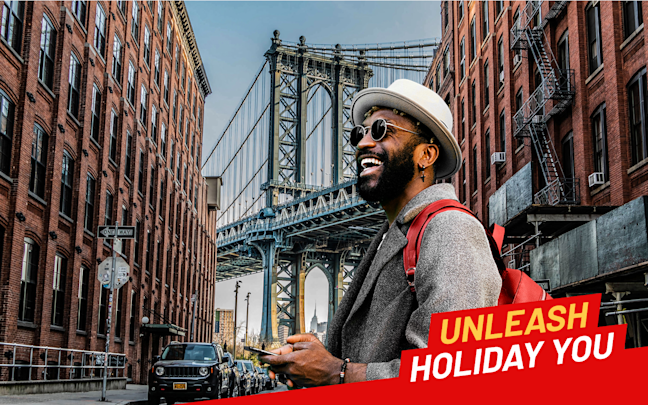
556	85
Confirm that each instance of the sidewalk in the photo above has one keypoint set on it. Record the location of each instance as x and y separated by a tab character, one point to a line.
132	393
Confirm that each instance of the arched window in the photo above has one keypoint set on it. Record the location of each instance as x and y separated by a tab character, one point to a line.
38	162
6	132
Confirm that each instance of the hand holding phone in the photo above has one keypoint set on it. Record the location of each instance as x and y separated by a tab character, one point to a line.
259	351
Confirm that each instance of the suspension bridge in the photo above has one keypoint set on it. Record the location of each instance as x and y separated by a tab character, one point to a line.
288	199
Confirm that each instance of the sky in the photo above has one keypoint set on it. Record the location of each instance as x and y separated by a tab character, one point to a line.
232	38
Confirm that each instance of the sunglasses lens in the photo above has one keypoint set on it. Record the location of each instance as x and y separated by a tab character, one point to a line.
357	133
378	129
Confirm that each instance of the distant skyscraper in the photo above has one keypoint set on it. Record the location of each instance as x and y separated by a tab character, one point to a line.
313	326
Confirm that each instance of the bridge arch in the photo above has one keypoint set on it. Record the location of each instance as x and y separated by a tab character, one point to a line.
319	135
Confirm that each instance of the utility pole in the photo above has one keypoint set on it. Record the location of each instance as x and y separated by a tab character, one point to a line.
238	285
247	314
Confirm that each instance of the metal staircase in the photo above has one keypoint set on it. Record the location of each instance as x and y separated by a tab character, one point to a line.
555	91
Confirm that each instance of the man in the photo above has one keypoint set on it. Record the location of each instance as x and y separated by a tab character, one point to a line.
403	145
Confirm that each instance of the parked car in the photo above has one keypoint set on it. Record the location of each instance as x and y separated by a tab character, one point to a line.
246	386
235	382
255	376
268	383
188	371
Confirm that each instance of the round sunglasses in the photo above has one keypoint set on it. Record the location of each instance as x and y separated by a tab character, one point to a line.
378	131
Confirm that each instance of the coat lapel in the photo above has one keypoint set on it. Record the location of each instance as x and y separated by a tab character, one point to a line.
393	244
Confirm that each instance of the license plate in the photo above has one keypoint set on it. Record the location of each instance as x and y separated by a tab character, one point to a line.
180	386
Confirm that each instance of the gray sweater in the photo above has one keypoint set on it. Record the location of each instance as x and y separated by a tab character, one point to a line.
379	316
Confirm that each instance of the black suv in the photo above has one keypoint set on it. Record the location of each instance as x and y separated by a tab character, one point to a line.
237	383
188	371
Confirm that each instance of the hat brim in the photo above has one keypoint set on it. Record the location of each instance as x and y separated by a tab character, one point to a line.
449	160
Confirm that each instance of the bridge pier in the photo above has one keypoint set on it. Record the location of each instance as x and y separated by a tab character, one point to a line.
269	322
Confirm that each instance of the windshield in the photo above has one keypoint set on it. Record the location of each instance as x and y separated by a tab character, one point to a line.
240	367
189	352
248	365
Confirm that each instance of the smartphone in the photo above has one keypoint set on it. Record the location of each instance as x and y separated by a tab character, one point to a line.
259	351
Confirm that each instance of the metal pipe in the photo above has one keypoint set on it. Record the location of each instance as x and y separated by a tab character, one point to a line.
627	311
611	303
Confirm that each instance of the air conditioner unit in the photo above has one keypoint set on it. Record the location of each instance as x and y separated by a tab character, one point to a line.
537	119
517	59
502	76
596	179
498	157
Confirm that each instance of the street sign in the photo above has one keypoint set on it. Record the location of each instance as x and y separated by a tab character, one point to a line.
112	232
122	272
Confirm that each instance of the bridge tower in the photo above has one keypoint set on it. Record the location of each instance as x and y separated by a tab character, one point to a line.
295	74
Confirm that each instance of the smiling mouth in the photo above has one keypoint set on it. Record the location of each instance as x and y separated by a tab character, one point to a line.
370	164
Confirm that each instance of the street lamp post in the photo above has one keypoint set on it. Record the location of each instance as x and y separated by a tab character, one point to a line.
238	285
247	314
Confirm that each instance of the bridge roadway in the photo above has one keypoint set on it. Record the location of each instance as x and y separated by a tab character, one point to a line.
330	220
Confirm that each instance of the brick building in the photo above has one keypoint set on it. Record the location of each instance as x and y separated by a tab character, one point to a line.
101	121
224	327
565	81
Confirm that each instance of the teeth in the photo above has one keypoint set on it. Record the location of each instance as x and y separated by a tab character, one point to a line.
367	161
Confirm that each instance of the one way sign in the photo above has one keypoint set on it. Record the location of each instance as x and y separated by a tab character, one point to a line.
112	232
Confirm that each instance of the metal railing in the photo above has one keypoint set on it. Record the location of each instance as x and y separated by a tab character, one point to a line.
43	363
559	191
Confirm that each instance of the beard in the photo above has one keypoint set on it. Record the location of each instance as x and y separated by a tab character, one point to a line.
397	171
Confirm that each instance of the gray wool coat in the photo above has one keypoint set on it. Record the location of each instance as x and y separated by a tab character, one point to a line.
379	316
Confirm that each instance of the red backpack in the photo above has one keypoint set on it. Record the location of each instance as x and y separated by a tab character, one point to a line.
517	287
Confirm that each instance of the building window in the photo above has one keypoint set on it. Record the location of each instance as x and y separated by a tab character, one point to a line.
462	113
143	112
135	24
485	20
632	17
117	60
488	153
473	39
100	31
486	85
149	251
47	50
103	310
118	304
58	288
171	156
563	55
169	37
152	185
568	156
637	110
499	6
82	298
474	103
163	140
162	194
177	58
136	246
131	324
599	133
74	85
160	11
88	222
131	83
96	113
445	14
175	104
27	305
474	169
182	76
166	87
463	196
154	119
140	176
147	46
121	6
446	61
13	13
38	162
129	146
114	127
178	164
460	11
108	218
462	52
181	120
594	37
518	106
67	176
156	72
500	61
502	132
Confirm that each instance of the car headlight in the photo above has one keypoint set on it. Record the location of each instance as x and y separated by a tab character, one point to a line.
159	371
203	371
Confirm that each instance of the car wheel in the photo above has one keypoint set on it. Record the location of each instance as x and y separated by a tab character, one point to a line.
235	391
153	400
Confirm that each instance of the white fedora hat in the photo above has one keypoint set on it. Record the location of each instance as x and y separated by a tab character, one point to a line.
423	105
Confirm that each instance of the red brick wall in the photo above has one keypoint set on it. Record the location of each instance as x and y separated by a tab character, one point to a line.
195	244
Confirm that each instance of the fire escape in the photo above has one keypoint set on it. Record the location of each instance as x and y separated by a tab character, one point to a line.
552	96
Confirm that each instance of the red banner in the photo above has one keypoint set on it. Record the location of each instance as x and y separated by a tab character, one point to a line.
544	352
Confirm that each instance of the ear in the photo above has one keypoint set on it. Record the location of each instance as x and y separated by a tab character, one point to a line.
426	154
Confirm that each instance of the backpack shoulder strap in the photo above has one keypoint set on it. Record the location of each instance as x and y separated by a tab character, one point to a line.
415	233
